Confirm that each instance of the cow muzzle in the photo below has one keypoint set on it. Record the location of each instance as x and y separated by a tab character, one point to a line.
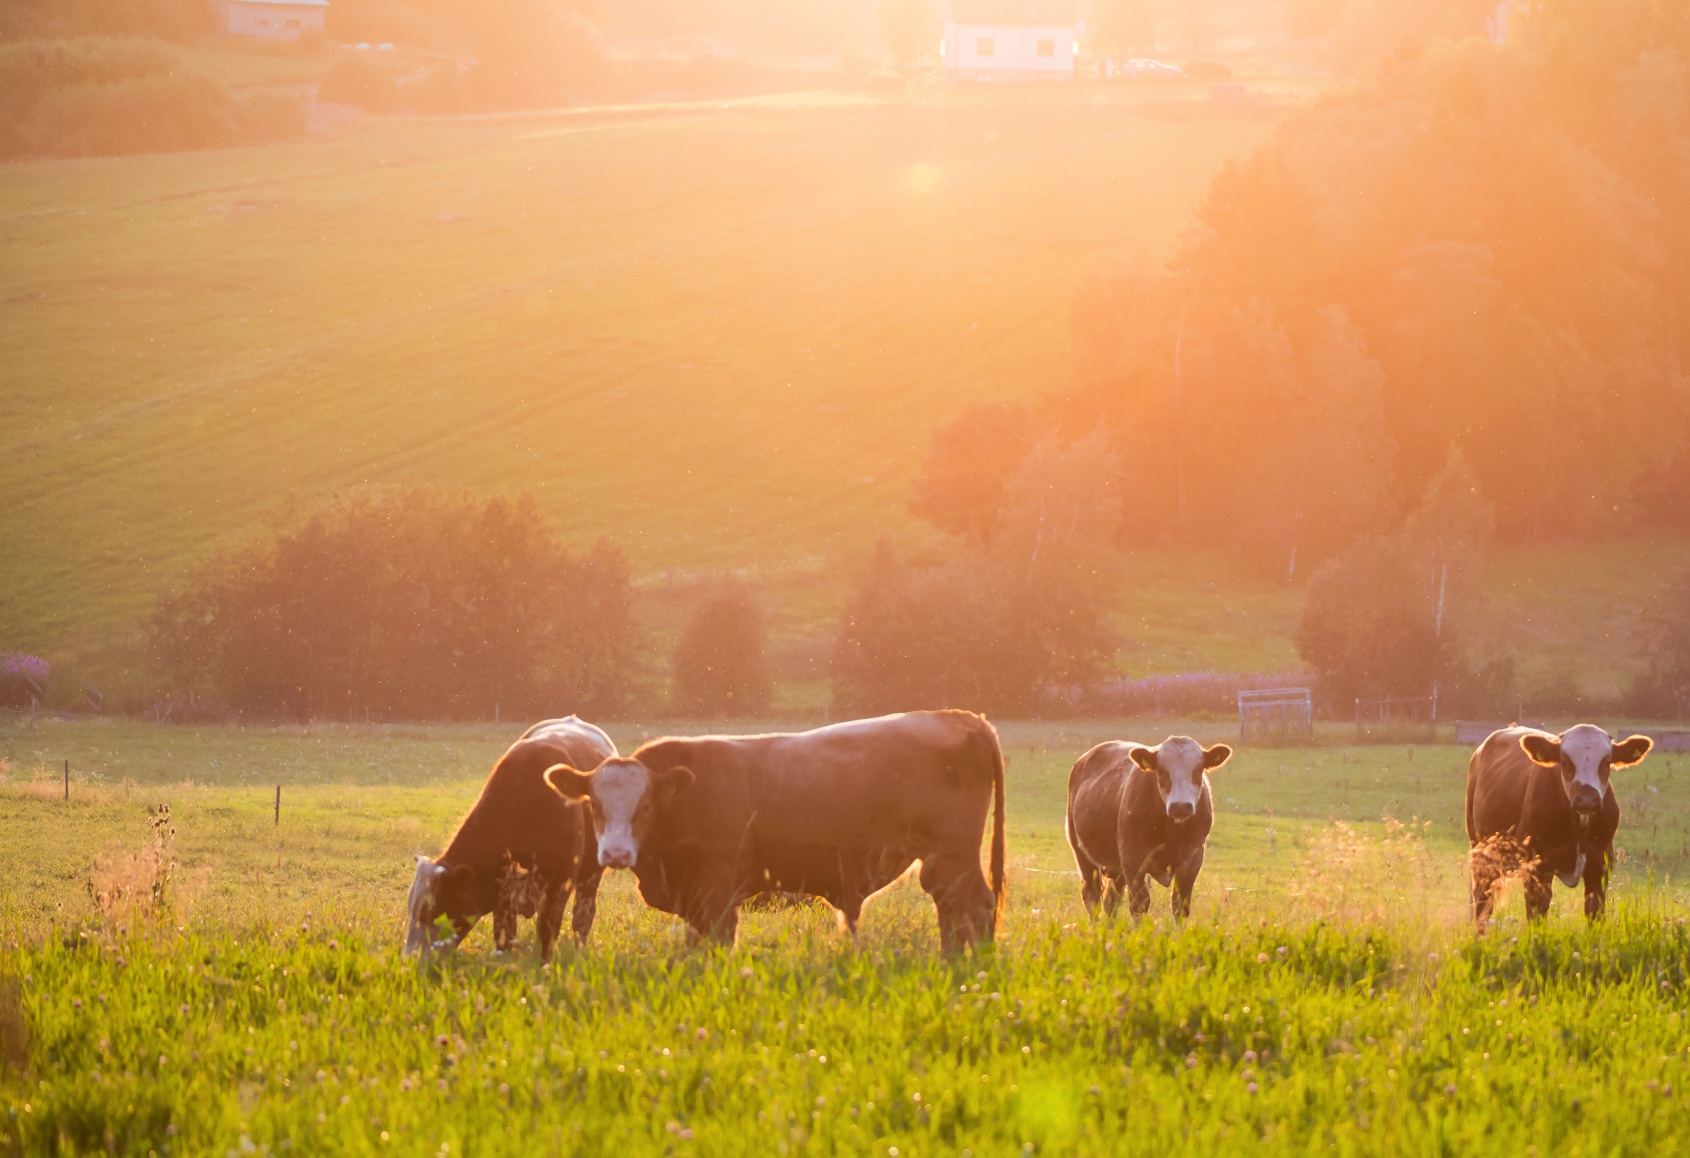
1586	805
616	857
1181	811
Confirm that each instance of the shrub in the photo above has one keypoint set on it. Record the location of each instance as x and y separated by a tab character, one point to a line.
721	662
963	479
1383	619
406	604
357	80
94	97
533	54
443	89
993	627
23	678
1662	690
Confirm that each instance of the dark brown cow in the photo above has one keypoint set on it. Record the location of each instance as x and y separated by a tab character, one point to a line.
519	851
1540	806
1135	811
838	813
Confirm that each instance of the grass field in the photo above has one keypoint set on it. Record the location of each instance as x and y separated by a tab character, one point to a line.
718	334
272	1011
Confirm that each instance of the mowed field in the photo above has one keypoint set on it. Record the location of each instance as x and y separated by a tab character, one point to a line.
719	335
1326	994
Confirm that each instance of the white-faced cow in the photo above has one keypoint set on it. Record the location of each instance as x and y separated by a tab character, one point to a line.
521	850
1135	811
1540	806
839	813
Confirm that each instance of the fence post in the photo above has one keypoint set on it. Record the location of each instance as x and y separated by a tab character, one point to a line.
67	779
278	806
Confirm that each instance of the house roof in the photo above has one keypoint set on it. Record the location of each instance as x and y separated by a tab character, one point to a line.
283	3
1015	11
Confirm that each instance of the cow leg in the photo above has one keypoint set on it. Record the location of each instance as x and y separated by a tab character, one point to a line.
550	917
711	909
962	897
1539	889
504	929
1111	895
1595	887
1138	895
720	926
461	927
1484	891
1184	878
586	903
1092	883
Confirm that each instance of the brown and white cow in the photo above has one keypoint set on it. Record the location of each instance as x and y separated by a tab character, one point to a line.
1135	811
1540	806
838	813
518	833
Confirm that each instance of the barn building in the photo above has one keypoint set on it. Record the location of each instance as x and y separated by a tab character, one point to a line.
995	41
274	19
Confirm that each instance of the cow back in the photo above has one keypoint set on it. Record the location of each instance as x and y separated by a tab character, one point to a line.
804	804
1500	776
1096	792
519	813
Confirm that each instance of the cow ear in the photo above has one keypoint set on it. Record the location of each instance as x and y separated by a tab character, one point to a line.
568	783
671	781
1545	750
1214	757
459	875
1144	757
1631	750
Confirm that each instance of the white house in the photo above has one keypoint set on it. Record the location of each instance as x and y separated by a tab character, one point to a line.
1011	40
274	19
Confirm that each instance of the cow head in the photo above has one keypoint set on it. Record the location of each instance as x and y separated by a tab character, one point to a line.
624	796
433	891
1178	764
1584	755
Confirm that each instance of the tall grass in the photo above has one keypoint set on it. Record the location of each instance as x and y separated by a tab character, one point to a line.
1099	1039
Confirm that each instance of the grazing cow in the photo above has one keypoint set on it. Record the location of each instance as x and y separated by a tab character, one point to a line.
838	813
1540	806
1134	811
520	851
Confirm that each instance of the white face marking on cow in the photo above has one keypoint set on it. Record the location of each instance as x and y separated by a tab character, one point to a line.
618	788
419	905
1585	747
1181	758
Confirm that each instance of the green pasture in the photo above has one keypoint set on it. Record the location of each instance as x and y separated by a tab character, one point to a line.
1326	995
719	334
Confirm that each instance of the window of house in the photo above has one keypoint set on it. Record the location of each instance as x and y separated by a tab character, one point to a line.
295	24
983	46
1047	48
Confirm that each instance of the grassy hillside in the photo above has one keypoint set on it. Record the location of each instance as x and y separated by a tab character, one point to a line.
719	335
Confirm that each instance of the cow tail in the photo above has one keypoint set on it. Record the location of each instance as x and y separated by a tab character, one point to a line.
999	891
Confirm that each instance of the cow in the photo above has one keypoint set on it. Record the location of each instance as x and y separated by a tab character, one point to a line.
839	813
1540	806
520	850
1135	811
